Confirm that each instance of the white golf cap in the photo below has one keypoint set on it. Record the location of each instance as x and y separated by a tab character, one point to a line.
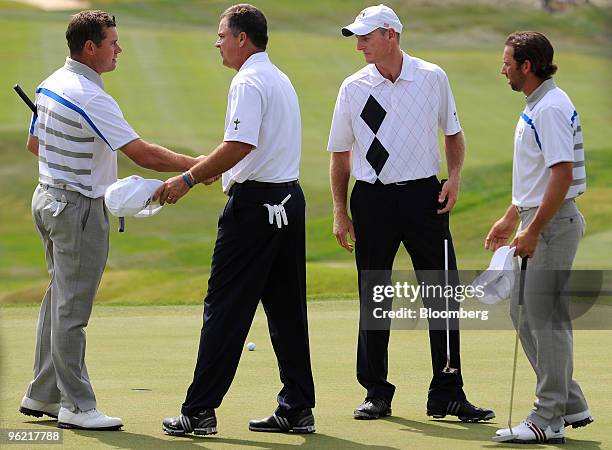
131	197
371	18
497	281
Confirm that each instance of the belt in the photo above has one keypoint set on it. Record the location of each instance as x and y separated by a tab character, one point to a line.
398	183
63	187
521	209
248	184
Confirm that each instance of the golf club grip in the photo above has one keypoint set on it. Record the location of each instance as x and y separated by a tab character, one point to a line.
25	98
522	280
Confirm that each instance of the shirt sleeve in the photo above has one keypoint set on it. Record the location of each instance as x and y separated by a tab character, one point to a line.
556	136
106	120
244	114
341	137
448	120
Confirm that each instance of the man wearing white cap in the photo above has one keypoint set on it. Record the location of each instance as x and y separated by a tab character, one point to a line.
386	122
76	133
548	174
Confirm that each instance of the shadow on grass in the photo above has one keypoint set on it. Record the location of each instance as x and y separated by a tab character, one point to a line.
128	440
482	431
464	432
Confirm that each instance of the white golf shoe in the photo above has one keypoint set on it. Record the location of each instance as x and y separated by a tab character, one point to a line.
88	420
31	407
529	433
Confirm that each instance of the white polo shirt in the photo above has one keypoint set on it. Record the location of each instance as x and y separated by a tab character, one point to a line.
548	132
392	128
263	110
79	128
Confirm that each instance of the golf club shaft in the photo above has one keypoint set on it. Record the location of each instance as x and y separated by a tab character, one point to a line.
516	341
446	298
25	98
521	300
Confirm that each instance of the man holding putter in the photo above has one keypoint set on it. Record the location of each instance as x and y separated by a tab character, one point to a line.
385	125
548	174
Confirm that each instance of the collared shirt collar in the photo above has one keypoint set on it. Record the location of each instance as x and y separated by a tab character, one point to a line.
82	69
537	95
255	57
407	72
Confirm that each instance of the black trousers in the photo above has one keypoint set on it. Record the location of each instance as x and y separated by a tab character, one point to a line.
385	216
255	261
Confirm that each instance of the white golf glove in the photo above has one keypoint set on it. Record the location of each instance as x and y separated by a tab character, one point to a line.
278	212
56	206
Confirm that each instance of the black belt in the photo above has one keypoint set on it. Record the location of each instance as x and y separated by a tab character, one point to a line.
262	184
399	183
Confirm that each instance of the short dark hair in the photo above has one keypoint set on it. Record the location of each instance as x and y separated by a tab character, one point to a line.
536	48
385	30
247	18
87	26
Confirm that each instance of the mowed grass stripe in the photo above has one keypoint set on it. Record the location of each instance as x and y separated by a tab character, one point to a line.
186	67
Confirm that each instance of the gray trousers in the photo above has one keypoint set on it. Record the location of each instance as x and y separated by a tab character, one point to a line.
546	329
76	249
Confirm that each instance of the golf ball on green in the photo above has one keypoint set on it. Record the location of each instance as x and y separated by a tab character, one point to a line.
251	346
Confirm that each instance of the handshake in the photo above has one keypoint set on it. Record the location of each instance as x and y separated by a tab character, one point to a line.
176	187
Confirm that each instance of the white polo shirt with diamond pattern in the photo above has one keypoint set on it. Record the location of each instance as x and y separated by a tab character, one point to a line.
548	133
263	110
392	128
79	128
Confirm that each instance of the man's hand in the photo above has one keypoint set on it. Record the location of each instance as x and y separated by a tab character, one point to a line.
342	226
525	242
450	193
501	231
172	190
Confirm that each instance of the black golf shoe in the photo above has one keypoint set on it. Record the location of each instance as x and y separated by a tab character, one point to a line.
464	410
578	420
372	408
300	422
201	424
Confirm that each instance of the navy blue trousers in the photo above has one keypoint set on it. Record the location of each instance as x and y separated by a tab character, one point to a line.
255	261
385	216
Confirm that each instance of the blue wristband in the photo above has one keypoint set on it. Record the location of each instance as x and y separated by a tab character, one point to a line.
187	181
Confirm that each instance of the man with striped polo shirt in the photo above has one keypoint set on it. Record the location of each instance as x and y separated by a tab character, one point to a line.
386	123
548	174
76	133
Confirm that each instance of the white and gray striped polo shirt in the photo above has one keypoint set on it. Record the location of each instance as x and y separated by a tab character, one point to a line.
79	128
548	132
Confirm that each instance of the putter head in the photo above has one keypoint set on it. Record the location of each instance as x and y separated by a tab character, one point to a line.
504	438
448	369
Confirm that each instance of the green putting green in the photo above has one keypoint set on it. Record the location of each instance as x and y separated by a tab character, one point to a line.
141	359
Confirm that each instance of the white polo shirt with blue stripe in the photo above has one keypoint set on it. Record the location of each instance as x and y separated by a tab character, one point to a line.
79	128
548	133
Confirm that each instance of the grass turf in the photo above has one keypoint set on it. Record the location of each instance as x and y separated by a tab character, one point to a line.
172	89
140	361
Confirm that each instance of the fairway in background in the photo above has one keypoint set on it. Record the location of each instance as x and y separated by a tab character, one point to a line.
172	89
